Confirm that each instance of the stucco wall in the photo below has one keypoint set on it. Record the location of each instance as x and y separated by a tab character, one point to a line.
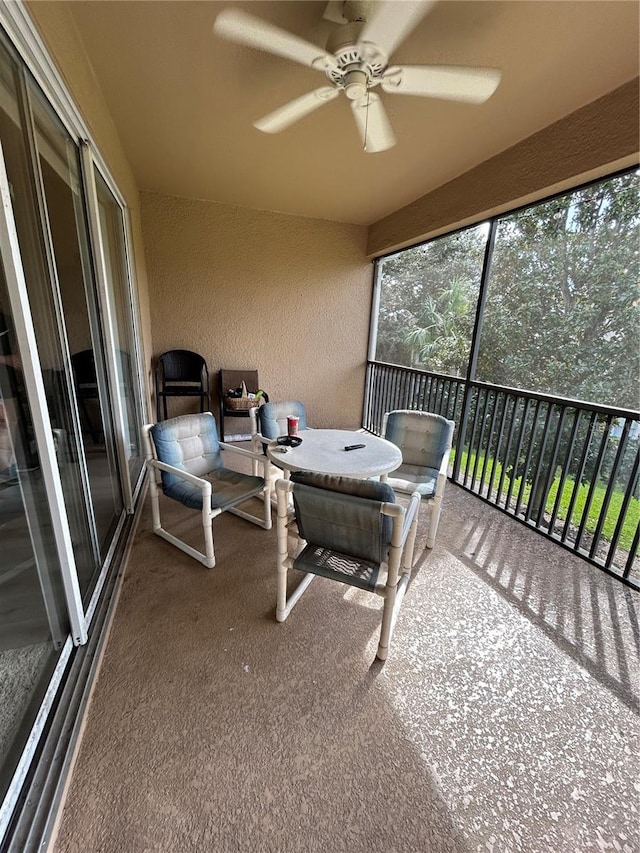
58	31
251	289
588	143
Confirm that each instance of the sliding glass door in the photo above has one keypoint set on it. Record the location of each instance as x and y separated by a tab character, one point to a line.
81	333
33	614
113	274
40	607
70	405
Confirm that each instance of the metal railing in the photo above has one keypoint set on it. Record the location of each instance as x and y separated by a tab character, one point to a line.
566	468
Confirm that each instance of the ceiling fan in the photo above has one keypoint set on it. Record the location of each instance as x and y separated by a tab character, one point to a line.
356	60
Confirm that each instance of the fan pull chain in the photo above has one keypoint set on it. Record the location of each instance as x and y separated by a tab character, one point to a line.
366	123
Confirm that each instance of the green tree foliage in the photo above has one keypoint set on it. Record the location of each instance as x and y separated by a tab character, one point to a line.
563	306
428	298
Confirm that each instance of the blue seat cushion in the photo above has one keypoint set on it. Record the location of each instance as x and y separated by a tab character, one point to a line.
412	478
228	488
190	443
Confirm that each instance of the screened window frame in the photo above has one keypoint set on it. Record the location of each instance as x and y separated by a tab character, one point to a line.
492	222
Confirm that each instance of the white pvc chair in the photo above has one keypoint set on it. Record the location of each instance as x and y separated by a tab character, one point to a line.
350	531
187	452
425	441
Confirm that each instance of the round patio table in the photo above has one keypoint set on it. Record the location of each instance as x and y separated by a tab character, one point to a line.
323	451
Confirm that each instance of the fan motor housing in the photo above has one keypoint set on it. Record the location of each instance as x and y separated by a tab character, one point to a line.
343	44
346	35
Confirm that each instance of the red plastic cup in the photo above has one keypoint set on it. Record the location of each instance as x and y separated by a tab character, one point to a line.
292	425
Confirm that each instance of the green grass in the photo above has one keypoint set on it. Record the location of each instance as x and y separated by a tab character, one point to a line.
613	512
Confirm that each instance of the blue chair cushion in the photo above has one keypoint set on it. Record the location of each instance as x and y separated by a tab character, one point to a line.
228	488
272	417
423	437
189	442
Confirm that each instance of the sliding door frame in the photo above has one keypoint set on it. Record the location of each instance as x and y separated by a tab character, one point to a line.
25	333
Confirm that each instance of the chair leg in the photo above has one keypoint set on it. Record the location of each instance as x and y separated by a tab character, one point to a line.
207	526
283	556
434	521
207	559
392	605
407	558
284	606
267	505
387	621
155	502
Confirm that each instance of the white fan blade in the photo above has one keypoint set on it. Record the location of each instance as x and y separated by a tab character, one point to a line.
375	130
242	28
300	107
390	25
473	85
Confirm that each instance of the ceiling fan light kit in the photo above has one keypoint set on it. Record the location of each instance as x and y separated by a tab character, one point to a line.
355	61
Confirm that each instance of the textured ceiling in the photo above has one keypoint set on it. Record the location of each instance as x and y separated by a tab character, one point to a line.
184	101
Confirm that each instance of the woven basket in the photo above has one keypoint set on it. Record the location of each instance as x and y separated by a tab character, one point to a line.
242	404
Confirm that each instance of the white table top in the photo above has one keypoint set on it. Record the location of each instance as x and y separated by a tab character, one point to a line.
322	451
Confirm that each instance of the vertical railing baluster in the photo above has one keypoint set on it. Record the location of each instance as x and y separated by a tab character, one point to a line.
527	459
568	459
483	420
579	476
496	461
628	495
406	379
419	402
456	401
632	553
448	404
514	473
507	455
471	443
592	485
385	398
440	395
536	474
604	509
487	453
395	389
551	468
376	400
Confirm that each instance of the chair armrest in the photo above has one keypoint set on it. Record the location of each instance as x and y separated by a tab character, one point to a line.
204	485
258	437
249	454
443	473
395	511
412	509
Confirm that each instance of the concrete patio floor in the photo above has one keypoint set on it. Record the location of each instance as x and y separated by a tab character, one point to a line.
505	719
